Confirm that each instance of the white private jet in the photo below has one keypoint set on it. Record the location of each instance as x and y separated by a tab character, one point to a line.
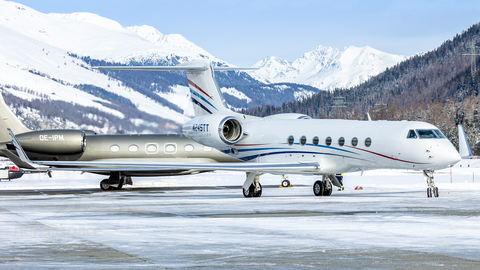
290	143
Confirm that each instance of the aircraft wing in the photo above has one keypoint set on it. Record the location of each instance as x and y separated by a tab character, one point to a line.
93	166
167	166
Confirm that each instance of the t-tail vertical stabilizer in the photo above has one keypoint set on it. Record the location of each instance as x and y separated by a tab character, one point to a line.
463	146
205	94
9	120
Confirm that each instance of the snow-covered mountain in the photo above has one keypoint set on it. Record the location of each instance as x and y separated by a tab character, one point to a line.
327	68
46	58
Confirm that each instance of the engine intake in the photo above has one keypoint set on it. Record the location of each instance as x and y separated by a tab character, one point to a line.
218	131
230	130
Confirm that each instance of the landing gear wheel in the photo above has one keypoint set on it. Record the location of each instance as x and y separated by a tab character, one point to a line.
120	185
257	193
318	188
432	190
104	185
327	187
285	183
248	193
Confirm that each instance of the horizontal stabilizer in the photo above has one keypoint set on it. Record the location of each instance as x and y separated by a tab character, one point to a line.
15	159
170	68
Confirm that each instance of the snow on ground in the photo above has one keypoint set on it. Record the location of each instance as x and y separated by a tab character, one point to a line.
235	93
204	221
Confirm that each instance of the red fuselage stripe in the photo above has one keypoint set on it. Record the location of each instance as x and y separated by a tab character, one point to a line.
396	159
199	89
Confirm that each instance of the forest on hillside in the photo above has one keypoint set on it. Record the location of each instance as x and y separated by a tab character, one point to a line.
440	87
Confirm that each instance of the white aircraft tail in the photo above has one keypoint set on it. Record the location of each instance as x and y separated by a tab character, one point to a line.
463	146
9	120
204	92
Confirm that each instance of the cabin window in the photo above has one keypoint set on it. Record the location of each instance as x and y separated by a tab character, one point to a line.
354	141
411	134
151	148
290	140
315	140
133	148
114	148
303	140
189	148
368	142
439	133
170	148
341	141
207	148
328	141
426	134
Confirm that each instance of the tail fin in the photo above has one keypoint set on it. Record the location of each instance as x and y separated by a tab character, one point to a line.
9	120
463	146
205	94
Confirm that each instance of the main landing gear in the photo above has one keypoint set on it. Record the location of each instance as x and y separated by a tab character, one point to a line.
115	182
252	187
323	187
285	181
432	190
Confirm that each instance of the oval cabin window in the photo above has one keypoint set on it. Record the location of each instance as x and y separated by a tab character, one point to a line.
328	141
133	148
368	142
303	140
290	140
354	141
315	140
115	148
151	148
207	148
170	148
189	148
341	141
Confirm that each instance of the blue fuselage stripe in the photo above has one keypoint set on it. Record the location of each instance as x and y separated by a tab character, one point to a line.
201	105
202	98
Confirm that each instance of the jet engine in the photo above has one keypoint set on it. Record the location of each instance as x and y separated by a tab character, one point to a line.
54	141
218	131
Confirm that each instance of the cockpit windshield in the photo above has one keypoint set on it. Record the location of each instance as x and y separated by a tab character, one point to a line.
425	134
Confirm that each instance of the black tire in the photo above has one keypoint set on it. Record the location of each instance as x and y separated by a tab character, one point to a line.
435	192
318	188
327	188
104	185
120	185
248	193
429	192
285	183
257	194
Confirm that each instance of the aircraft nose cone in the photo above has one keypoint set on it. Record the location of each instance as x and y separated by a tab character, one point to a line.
452	157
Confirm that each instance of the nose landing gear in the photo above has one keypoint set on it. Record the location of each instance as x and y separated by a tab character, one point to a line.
432	190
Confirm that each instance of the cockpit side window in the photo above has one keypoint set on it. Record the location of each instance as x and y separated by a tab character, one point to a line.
426	134
439	134
411	134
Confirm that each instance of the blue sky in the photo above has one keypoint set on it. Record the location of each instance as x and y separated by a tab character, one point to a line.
243	32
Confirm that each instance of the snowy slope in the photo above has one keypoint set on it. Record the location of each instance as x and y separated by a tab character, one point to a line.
33	41
327	68
92	35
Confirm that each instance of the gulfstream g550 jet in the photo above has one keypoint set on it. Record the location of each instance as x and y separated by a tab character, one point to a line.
294	143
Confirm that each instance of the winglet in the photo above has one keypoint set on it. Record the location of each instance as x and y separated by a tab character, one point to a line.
19	148
463	146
